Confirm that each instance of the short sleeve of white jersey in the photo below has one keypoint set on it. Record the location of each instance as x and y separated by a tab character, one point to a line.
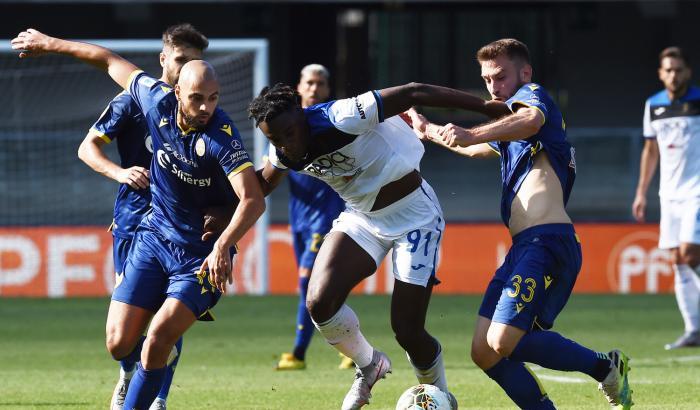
357	115
273	158
648	130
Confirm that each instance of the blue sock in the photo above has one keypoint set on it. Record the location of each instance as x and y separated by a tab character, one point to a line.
553	351
521	385
129	362
168	380
144	388
305	327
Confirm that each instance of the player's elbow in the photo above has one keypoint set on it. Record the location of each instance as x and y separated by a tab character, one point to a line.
531	123
414	90
83	151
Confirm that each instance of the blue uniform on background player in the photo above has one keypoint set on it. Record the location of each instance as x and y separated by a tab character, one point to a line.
313	206
172	275
535	281
124	122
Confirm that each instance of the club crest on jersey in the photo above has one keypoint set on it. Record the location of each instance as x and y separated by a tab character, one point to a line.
200	147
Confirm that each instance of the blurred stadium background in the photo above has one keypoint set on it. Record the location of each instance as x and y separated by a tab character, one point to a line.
598	59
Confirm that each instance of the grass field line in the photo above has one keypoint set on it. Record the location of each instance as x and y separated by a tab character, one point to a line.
569	379
649	360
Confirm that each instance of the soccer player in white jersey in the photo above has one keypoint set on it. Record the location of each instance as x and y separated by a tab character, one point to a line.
672	138
368	154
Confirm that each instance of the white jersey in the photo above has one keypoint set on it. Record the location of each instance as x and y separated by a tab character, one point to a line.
676	127
354	150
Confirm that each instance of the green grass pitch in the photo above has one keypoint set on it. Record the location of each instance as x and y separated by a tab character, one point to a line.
52	356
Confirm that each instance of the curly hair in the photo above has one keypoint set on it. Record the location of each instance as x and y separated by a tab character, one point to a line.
273	101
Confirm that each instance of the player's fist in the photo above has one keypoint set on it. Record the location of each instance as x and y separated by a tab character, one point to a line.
218	263
639	207
31	43
135	177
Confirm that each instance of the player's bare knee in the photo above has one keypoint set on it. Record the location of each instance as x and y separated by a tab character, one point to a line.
118	345
500	343
321	306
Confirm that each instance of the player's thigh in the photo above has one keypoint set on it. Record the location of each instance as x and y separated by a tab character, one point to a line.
559	281
125	325
341	264
690	233
170	322
670	224
144	280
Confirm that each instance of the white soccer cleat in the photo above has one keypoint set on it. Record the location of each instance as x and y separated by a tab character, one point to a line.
120	390
616	387
365	378
688	339
158	404
453	401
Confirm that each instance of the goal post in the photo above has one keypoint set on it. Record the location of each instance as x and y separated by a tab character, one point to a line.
53	101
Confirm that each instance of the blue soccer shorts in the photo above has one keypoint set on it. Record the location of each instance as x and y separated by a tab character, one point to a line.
535	281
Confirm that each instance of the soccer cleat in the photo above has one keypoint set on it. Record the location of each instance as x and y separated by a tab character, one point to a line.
345	362
120	390
158	404
616	387
365	378
688	339
453	401
289	362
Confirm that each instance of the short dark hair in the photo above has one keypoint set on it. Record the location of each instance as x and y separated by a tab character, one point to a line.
673	52
185	35
511	47
273	101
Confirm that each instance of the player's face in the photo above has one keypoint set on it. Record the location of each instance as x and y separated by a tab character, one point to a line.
172	58
198	101
503	76
674	74
313	88
289	133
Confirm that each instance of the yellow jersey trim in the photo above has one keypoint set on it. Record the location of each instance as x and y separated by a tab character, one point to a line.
102	135
524	104
539	383
240	168
131	78
493	149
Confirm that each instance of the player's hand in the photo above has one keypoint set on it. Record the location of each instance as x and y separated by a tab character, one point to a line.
218	264
135	177
31	43
454	136
639	207
418	122
216	219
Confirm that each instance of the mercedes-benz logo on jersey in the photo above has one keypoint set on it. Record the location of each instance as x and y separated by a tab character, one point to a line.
163	159
149	143
235	144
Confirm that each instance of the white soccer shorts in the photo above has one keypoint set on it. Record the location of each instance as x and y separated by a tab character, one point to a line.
680	223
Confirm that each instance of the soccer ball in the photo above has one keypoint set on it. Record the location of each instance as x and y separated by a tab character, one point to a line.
424	397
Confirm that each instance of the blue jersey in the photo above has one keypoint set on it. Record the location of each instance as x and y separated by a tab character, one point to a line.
312	203
517	157
190	167
122	120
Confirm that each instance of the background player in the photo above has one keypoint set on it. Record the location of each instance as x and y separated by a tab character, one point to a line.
313	206
672	135
369	156
534	283
197	148
123	121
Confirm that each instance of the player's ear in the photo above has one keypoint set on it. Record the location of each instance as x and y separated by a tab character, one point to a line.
162	59
177	91
526	73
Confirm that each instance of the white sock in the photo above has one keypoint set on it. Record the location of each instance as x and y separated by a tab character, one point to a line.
435	374
688	296
342	331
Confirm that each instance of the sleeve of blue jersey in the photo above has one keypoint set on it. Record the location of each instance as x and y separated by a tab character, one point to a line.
226	146
113	118
530	95
146	90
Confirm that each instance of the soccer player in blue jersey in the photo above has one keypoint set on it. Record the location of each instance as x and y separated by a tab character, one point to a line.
672	139
534	283
313	206
368	154
123	121
172	276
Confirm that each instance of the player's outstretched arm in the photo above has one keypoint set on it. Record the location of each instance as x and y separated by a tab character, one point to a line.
34	43
427	131
252	204
396	100
90	152
269	177
647	167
